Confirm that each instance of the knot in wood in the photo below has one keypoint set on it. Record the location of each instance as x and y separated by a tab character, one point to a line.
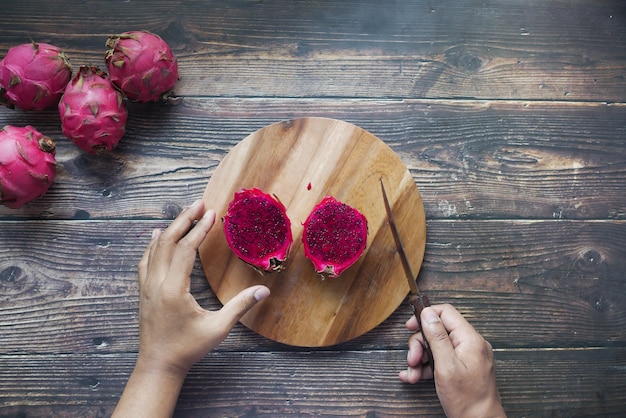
10	274
590	260
171	210
464	59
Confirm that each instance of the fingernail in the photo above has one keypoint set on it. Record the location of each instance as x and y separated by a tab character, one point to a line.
196	203
430	316
261	293
208	213
408	355
155	233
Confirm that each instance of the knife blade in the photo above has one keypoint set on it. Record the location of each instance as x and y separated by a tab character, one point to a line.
416	298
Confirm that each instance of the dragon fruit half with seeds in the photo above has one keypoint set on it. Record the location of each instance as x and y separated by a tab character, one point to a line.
33	76
258	230
334	236
27	165
93	113
141	65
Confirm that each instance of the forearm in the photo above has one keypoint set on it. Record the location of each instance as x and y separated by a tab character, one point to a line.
149	393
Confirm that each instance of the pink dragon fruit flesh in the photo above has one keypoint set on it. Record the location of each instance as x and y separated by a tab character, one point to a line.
93	113
258	230
27	165
141	65
334	236
33	76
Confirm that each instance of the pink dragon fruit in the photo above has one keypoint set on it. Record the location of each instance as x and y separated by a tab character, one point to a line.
141	65
93	113
258	230
27	165
33	76
334	236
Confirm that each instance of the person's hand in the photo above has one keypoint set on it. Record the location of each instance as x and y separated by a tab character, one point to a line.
465	377
174	330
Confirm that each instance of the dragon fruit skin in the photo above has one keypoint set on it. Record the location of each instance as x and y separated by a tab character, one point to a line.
93	113
33	76
258	230
27	165
334	236
141	65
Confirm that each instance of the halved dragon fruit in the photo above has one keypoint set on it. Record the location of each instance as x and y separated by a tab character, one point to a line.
93	113
334	236
33	76
141	65
27	165
258	230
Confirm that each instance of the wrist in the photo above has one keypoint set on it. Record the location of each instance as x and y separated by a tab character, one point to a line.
151	391
158	368
491	408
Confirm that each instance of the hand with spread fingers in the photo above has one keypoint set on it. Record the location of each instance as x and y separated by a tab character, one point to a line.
175	331
465	377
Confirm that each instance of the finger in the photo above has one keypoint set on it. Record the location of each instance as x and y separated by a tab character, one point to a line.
237	307
183	222
191	242
151	250
437	336
416	350
456	325
412	324
185	255
164	248
143	263
415	374
417	360
411	375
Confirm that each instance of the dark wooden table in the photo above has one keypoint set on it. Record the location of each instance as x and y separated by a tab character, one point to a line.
510	116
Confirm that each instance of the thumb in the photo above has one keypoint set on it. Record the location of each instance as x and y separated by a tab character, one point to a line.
437	336
237	307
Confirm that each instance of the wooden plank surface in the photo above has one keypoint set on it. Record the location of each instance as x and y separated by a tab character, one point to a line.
319	383
555	50
509	116
469	159
572	295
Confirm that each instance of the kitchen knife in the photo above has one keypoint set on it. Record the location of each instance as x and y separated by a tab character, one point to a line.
416	299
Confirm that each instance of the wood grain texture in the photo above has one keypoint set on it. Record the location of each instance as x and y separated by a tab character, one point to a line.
543	284
322	383
541	50
509	116
469	159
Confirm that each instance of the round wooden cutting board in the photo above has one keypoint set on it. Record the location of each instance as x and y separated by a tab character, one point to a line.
301	161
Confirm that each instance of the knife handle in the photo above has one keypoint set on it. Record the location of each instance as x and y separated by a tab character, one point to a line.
419	303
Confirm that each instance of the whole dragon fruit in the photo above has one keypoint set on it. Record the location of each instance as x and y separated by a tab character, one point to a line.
334	236
141	65
27	165
33	76
258	230
93	113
